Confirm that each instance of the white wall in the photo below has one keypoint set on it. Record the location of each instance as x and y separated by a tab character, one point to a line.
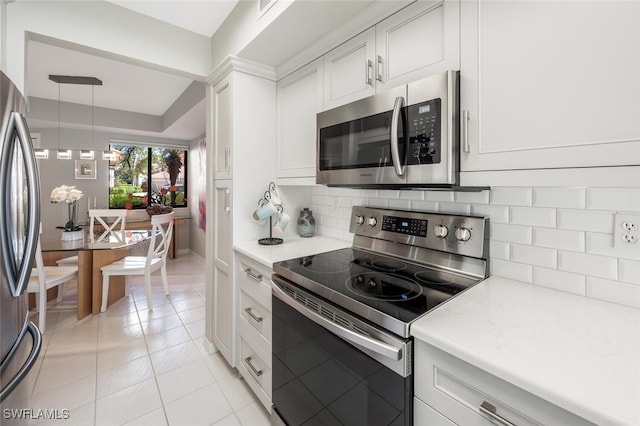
556	237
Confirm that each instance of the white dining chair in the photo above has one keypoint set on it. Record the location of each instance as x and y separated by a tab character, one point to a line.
45	277
156	258
110	220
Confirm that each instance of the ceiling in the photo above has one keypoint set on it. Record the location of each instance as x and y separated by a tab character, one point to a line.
126	87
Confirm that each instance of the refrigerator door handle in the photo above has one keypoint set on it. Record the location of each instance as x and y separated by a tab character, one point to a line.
18	275
31	359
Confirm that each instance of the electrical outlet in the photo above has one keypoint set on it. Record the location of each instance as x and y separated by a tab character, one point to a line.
626	229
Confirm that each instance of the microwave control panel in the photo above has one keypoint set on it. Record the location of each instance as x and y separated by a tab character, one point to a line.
423	122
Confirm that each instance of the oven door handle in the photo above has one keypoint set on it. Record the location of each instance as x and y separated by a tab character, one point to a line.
382	348
393	133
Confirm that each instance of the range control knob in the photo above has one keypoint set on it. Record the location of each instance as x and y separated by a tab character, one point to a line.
441	231
359	219
463	234
372	221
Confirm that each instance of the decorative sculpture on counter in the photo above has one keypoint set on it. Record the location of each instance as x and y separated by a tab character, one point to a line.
270	206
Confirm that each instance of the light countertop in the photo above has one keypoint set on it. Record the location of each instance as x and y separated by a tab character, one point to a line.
578	353
291	248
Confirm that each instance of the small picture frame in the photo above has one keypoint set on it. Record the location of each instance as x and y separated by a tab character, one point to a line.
86	169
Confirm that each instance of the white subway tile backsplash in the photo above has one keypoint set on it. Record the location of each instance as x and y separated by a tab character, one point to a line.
603	244
510	233
412	195
532	255
533	216
620	199
614	291
554	237
481	197
571	198
512	270
588	264
585	220
629	271
390	194
439	196
499	250
511	196
400	204
560	239
559	280
424	206
454	208
378	202
496	214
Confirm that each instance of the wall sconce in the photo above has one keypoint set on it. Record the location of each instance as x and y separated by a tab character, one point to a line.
64	154
86	154
108	155
41	153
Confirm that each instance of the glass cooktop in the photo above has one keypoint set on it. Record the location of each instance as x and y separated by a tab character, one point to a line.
364	282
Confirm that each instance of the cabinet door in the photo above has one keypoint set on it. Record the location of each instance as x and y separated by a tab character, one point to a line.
299	100
349	70
419	40
223	292
222	127
550	84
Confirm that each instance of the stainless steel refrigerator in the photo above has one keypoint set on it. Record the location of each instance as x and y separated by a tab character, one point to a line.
20	339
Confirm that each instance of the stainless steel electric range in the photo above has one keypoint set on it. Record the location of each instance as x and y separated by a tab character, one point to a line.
342	352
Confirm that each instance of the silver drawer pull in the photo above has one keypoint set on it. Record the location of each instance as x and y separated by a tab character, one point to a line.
255	370
256	318
254	275
490	411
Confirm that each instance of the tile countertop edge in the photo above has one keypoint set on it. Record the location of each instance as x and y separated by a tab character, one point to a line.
575	352
291	248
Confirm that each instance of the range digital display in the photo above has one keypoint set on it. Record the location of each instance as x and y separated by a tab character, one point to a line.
404	225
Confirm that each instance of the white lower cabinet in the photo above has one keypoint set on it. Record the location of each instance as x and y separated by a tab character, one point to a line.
253	326
423	414
459	391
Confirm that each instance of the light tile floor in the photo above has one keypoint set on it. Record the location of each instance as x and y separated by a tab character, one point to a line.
132	366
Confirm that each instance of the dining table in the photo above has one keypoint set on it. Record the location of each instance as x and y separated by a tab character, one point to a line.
91	257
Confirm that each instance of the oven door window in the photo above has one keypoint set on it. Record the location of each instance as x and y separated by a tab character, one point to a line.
320	379
359	143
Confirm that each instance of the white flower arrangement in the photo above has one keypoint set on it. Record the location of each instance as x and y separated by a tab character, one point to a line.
69	194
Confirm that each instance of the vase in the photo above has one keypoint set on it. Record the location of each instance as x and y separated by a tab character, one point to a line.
73	217
72	235
306	223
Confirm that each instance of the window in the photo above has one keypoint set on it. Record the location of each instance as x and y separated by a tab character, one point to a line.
140	176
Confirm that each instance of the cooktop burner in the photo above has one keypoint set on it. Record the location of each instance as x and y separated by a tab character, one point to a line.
379	286
382	264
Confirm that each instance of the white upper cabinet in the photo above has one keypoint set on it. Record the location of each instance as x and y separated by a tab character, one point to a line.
550	84
349	70
222	127
299	97
419	40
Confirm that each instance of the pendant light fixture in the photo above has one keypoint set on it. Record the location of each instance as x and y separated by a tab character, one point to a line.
66	154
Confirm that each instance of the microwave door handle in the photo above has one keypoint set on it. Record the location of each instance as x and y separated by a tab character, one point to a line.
393	133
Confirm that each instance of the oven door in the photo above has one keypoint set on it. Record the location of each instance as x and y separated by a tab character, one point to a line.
330	367
363	143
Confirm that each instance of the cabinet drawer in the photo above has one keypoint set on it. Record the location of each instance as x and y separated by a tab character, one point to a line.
256	314
423	414
458	390
255	367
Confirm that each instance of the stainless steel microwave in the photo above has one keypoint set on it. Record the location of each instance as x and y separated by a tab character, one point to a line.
404	137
